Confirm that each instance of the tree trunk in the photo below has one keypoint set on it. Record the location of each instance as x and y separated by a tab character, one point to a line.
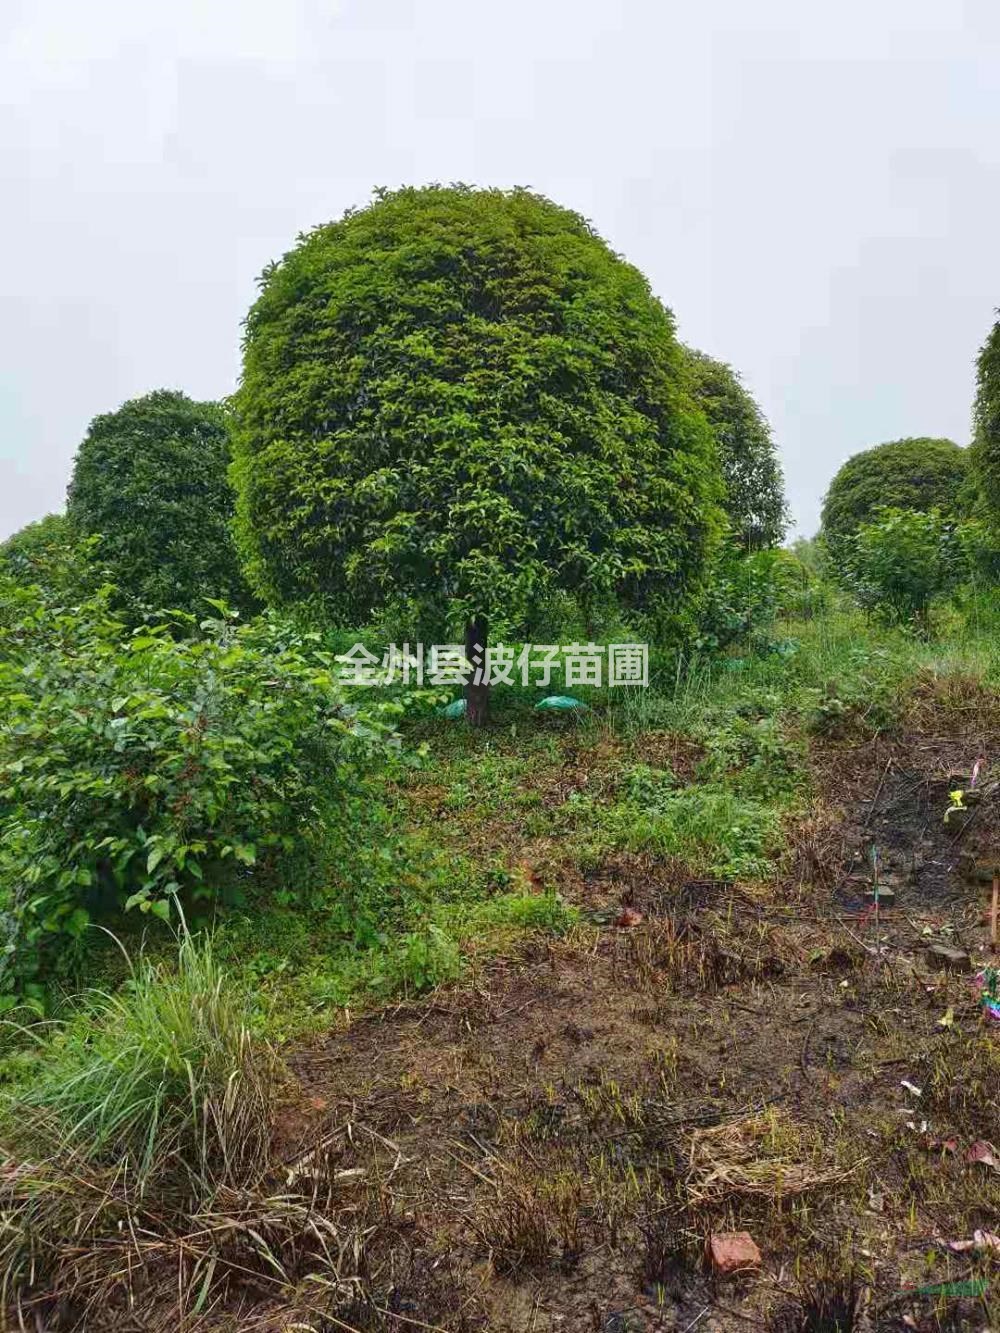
477	695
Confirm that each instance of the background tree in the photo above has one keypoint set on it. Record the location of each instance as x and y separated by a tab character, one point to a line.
918	474
458	403
50	555
984	455
755	487
151	479
29	550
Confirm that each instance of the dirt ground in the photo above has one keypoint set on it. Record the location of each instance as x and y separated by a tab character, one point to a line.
550	1145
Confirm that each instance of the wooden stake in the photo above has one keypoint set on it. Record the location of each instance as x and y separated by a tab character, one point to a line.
994	907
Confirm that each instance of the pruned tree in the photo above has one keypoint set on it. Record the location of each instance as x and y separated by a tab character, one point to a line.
918	474
151	480
457	403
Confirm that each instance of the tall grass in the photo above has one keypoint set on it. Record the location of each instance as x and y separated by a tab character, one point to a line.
136	1166
162	1076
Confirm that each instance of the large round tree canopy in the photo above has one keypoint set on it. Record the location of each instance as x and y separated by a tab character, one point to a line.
462	400
916	473
151	479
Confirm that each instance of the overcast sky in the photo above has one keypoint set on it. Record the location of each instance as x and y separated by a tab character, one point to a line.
813	189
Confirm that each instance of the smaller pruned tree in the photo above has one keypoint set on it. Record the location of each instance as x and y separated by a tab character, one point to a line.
151	481
917	474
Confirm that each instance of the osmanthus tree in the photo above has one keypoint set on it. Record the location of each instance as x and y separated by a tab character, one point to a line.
914	474
755	487
984	455
458	403
151	480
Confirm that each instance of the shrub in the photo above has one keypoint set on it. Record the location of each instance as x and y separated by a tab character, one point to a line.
151	480
904	561
747	592
457	404
21	552
49	553
917	474
755	487
136	769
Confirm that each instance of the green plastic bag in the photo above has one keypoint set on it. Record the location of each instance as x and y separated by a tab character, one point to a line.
976	1286
455	709
561	703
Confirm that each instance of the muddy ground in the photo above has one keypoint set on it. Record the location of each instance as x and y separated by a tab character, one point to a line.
550	1145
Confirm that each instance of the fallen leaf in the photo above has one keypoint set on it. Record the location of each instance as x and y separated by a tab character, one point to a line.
629	918
984	1154
947	1019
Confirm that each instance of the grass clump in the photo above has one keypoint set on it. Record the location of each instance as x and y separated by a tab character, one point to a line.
161	1076
138	1182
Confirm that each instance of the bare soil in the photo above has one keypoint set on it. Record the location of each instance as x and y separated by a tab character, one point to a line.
551	1143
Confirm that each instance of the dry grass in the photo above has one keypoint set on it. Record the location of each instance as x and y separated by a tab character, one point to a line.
763	1156
534	1216
81	1248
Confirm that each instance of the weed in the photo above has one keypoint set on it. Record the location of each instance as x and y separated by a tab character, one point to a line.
535	1217
829	1301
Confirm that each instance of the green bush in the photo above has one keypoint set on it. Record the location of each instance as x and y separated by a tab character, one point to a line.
904	561
151	481
139	768
51	554
747	592
457	404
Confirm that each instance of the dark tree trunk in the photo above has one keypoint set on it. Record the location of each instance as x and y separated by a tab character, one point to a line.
477	691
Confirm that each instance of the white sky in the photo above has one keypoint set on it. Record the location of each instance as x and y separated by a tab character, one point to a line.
814	189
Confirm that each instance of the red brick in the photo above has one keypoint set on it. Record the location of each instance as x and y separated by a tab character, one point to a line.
729	1251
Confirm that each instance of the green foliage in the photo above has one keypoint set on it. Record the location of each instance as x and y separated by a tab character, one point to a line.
22	553
755	755
708	826
151	479
160	1077
49	553
918	474
135	768
458	403
755	487
800	591
984	455
748	591
904	561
